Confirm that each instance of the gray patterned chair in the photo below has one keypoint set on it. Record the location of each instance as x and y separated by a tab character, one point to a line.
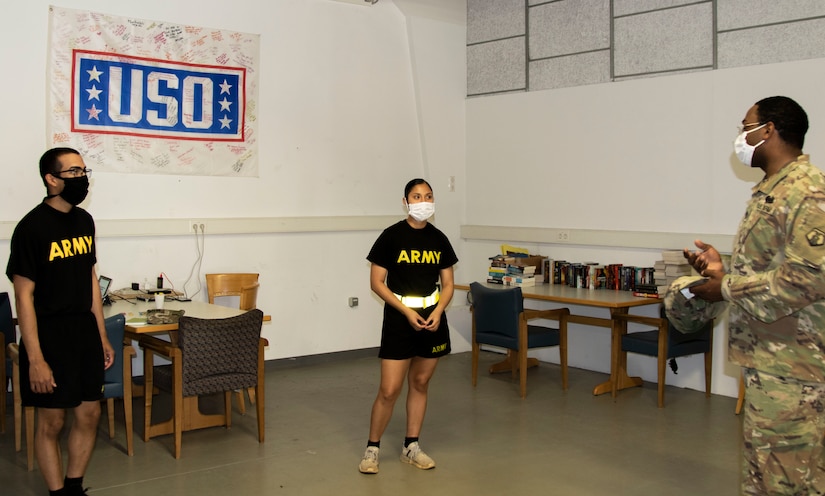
245	285
211	356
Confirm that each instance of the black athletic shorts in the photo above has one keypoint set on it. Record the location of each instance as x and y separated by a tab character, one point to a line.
71	346
400	341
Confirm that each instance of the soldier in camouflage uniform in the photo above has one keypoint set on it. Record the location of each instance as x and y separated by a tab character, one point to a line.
776	291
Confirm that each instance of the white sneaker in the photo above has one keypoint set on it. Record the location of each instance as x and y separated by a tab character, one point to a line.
369	464
413	455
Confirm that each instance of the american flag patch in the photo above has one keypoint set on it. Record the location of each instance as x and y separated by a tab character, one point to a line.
136	96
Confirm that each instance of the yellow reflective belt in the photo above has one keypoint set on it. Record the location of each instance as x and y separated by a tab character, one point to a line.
419	301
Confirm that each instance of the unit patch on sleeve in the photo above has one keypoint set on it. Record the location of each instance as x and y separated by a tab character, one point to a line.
816	237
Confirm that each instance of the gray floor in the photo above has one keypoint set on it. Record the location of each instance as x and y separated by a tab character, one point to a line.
484	440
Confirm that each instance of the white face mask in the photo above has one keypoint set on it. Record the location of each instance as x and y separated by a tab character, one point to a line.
744	151
421	211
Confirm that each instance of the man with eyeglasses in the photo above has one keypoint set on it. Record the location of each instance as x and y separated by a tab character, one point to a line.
775	287
64	349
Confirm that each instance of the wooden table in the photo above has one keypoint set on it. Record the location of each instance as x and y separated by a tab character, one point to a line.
193	418
617	302
137	310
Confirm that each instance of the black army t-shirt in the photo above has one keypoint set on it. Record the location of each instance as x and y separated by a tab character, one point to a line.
56	250
413	257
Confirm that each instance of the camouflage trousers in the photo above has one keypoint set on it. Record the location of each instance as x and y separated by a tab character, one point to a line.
783	433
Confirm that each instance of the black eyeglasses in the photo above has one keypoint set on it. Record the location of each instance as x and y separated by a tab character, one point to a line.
75	172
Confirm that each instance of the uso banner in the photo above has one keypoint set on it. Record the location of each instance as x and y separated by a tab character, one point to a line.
142	96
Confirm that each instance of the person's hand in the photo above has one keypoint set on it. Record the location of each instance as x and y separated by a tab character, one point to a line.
41	378
712	289
108	355
706	258
433	321
416	321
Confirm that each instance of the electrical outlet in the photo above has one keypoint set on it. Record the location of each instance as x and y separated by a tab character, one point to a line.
563	235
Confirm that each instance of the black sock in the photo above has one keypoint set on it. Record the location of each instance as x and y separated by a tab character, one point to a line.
376	444
59	492
408	440
73	485
72	482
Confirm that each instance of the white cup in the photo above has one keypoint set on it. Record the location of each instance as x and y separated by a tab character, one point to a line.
159	297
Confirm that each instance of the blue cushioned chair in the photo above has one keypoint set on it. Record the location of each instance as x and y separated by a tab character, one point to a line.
668	343
117	380
9	335
500	319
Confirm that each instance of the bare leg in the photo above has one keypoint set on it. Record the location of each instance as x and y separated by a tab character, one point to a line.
392	379
47	446
82	437
421	371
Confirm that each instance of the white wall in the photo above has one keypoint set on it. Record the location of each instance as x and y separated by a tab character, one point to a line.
348	95
650	154
643	155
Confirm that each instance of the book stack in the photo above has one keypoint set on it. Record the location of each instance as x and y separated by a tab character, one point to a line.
676	266
647	291
659	276
498	268
520	275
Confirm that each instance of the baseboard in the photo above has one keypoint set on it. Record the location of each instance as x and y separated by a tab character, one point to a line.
308	360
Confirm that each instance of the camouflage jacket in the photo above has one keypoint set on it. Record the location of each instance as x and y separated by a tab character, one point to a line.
776	282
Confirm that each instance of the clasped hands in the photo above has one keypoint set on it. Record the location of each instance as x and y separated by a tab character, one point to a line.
419	323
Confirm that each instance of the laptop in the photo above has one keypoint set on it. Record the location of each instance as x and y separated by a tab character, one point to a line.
104	282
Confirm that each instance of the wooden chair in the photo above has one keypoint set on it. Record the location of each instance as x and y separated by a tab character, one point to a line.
14	353
244	285
117	383
740	400
500	319
212	356
667	342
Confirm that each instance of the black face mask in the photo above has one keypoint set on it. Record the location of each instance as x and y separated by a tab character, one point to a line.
75	189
